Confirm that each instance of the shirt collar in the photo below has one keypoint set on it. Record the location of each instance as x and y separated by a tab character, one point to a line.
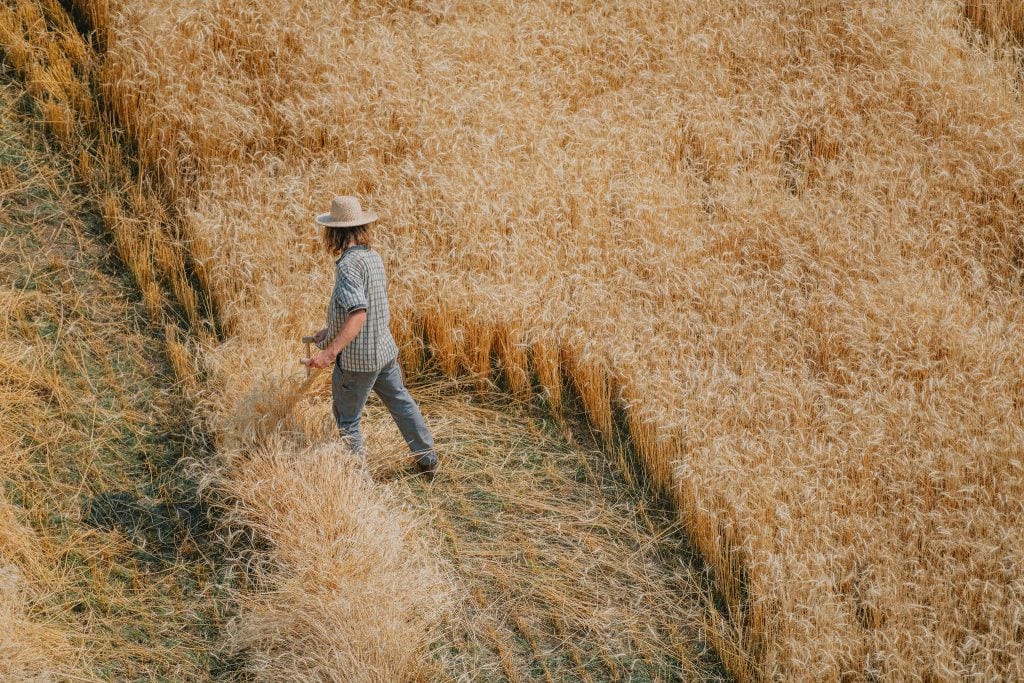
359	247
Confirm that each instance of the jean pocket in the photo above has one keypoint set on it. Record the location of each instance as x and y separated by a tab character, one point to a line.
348	381
342	380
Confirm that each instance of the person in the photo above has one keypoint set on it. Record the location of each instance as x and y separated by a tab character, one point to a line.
358	340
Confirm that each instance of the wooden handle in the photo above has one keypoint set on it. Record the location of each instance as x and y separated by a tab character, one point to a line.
307	341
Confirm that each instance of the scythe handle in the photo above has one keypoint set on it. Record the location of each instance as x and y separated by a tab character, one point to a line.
307	341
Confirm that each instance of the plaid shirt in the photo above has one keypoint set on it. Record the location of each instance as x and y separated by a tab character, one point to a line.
359	285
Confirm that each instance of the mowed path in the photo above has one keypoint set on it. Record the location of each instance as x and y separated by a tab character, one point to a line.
94	448
566	571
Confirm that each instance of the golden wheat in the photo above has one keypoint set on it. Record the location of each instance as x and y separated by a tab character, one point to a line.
1003	20
783	238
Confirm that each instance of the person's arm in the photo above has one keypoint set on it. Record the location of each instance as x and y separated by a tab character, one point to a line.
349	330
346	315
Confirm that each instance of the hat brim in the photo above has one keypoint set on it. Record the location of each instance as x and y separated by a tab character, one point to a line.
324	219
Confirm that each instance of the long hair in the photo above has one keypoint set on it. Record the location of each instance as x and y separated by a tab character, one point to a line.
337	239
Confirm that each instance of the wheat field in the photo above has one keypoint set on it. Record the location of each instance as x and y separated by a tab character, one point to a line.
296	591
777	245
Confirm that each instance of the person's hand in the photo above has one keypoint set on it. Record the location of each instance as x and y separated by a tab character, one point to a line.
318	360
320	336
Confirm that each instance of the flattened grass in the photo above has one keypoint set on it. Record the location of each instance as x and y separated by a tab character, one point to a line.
566	571
109	565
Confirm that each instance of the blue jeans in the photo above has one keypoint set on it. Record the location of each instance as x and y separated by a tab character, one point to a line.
350	390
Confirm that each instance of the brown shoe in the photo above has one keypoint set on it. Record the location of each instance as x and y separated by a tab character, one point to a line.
427	465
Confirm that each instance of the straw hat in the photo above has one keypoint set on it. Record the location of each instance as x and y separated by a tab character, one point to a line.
346	212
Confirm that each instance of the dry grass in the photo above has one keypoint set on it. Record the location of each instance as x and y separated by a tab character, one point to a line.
31	648
350	592
105	563
565	571
782	240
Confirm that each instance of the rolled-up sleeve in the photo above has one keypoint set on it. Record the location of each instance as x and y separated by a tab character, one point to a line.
349	295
